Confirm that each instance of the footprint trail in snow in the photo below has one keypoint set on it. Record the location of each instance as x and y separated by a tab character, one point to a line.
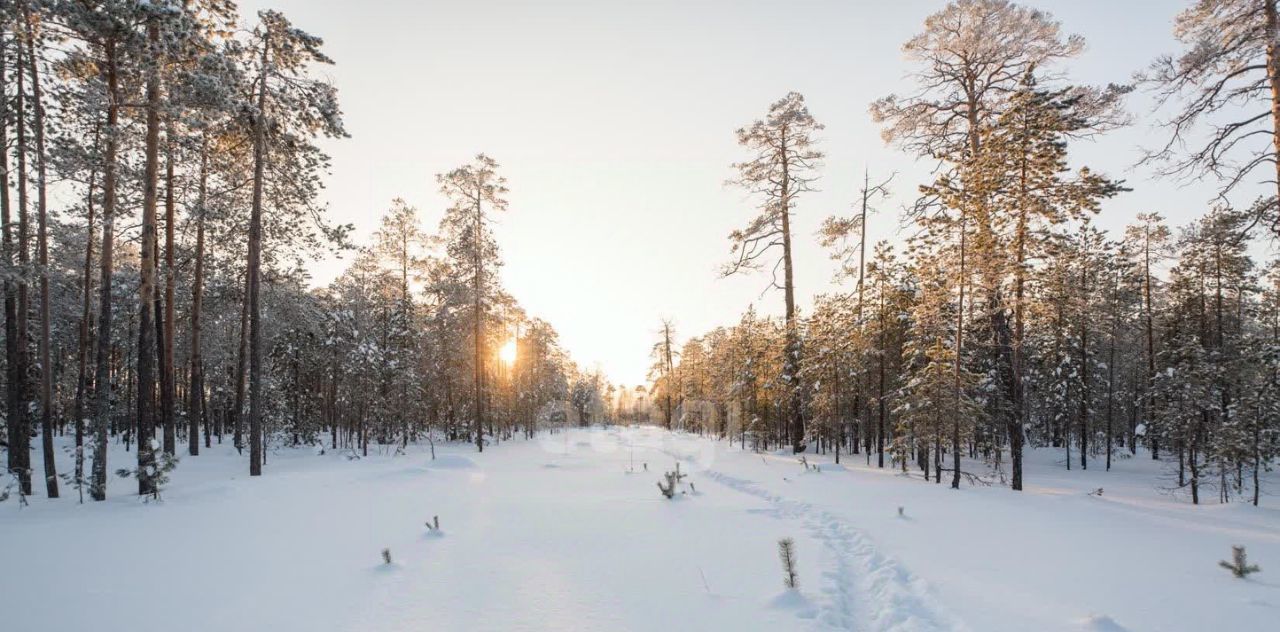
863	589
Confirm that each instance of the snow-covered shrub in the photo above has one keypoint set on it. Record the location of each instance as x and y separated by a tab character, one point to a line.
14	482
672	480
669	489
157	473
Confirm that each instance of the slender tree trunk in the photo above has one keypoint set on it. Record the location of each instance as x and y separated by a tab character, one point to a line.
1273	79
791	363
1111	369
1257	460
478	325
884	357
102	372
14	366
195	408
42	260
1151	342
22	449
1085	393
84	352
959	386
255	267
242	366
167	377
1017	421
146	287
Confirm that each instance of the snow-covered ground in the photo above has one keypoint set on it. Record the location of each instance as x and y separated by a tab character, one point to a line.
565	533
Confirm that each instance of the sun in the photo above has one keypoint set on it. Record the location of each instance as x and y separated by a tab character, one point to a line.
508	352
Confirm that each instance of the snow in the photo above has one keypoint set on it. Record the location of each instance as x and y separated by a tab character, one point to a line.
451	462
569	532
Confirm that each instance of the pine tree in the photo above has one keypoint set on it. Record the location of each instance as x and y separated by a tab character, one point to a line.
289	108
782	165
1230	64
476	191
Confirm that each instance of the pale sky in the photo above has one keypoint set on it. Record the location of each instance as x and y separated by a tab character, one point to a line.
613	122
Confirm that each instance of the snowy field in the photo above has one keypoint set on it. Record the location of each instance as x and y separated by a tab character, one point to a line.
559	534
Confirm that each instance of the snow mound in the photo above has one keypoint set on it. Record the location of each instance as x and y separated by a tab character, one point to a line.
1101	623
794	601
452	462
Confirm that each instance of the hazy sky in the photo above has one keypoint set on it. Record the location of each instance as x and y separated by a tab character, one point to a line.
613	122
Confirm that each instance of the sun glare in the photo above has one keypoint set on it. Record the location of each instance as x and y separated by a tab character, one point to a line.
508	352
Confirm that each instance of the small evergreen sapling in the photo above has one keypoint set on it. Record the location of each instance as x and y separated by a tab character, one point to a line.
669	489
156	472
1239	565
15	482
787	554
672	479
75	479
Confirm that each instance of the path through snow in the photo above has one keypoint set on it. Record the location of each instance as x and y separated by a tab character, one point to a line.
864	589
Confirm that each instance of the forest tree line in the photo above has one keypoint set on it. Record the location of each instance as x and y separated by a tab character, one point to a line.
1006	318
162	169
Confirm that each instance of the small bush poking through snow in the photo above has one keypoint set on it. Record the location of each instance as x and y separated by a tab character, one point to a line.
673	478
669	489
14	483
156	474
787	554
386	556
1239	565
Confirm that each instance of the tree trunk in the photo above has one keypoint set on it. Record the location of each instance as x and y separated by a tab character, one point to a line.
1085	393
195	407
23	384
478	327
791	362
102	370
255	267
86	326
1273	79
167	377
147	272
959	386
1151	342
242	366
42	260
14	366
